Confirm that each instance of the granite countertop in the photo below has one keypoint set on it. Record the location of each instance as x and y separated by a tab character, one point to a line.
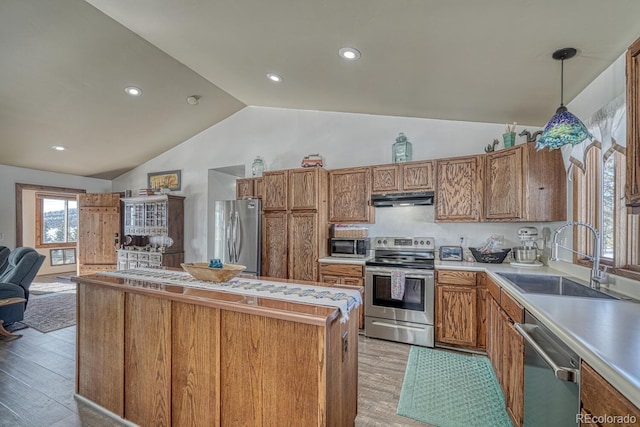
604	333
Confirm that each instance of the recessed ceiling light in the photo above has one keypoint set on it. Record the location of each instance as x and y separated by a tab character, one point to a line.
58	147
349	53
133	91
276	78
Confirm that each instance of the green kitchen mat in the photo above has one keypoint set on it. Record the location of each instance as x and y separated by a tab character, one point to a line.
447	389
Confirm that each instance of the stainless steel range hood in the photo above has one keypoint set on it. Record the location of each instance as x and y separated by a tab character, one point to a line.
402	199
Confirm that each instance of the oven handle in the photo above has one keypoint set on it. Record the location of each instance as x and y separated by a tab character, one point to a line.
561	372
411	273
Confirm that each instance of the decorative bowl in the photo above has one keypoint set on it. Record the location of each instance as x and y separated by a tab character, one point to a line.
202	271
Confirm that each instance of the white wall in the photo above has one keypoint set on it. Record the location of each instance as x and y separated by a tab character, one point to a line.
283	137
10	175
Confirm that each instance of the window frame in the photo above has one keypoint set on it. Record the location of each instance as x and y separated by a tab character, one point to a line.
40	197
587	207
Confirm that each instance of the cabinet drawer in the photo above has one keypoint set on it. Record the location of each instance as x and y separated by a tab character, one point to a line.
511	307
599	397
143	257
453	277
354	281
342	269
132	256
493	289
155	259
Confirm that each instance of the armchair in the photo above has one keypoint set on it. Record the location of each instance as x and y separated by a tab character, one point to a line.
21	268
4	254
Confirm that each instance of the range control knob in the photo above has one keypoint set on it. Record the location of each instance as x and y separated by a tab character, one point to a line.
379	241
422	242
384	241
415	242
428	242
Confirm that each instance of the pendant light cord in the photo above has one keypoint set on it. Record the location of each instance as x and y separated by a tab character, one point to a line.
562	83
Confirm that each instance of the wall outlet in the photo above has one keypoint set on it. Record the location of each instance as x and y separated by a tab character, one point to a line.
1	236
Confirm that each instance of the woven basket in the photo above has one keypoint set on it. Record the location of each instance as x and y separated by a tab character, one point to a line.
491	257
202	271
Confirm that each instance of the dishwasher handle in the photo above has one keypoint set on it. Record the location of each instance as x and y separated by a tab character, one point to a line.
563	373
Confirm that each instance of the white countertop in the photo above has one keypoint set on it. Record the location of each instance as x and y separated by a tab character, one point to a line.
344	260
604	333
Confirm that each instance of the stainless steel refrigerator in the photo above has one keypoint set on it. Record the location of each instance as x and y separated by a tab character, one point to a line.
236	233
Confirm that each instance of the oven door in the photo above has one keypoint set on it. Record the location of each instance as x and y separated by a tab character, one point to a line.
415	306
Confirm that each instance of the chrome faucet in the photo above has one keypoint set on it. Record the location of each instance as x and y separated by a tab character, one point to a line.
597	277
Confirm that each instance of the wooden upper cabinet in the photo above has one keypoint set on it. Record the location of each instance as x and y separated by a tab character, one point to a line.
386	179
244	188
503	190
459	189
257	188
417	176
307	188
402	177
522	184
632	188
350	195
275	190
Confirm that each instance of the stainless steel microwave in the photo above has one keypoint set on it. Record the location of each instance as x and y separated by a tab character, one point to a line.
349	247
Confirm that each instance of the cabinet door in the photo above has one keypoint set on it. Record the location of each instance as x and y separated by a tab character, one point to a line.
350	195
274	245
417	176
513	372
257	188
494	336
632	188
303	246
503	190
458	195
456	315
98	228
303	189
386	179
244	188
274	190
481	321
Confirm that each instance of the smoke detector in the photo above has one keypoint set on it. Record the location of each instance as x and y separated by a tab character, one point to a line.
193	99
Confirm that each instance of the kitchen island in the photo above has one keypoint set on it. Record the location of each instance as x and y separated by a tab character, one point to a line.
155	353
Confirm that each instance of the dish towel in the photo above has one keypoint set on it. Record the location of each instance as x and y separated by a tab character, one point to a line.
397	284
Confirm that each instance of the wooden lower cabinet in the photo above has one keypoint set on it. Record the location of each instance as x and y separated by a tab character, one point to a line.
456	315
275	249
599	399
459	296
213	359
513	372
505	348
345	274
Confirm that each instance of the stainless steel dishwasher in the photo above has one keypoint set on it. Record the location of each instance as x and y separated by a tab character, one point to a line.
551	377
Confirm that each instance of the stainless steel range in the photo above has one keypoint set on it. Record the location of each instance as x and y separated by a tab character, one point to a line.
399	290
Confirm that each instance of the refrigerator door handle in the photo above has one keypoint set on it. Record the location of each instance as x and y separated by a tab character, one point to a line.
236	238
227	232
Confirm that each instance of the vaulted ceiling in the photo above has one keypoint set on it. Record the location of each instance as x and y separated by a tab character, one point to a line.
65	64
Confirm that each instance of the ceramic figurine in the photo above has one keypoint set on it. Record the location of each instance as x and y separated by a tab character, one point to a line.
531	137
491	147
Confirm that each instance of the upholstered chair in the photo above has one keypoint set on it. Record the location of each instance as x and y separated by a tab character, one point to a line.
22	266
4	254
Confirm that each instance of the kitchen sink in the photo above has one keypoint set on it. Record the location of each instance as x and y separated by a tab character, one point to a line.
555	285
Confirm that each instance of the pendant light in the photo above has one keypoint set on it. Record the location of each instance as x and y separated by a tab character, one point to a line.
563	128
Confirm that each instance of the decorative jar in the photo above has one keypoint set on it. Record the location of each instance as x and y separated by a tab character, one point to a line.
402	150
257	167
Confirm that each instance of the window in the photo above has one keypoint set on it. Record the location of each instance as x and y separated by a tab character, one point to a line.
56	221
62	256
599	200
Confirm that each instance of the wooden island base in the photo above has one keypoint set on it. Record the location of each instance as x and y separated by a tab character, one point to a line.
161	355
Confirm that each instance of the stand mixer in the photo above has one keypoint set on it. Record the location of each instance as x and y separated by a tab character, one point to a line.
527	254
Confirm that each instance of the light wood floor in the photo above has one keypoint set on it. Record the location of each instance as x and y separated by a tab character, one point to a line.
37	384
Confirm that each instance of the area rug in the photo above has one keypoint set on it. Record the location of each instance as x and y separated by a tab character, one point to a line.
51	312
447	389
51	287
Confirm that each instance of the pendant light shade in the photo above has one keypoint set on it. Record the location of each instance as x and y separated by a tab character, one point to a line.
563	128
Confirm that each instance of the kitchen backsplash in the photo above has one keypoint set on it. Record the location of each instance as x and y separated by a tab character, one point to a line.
419	221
